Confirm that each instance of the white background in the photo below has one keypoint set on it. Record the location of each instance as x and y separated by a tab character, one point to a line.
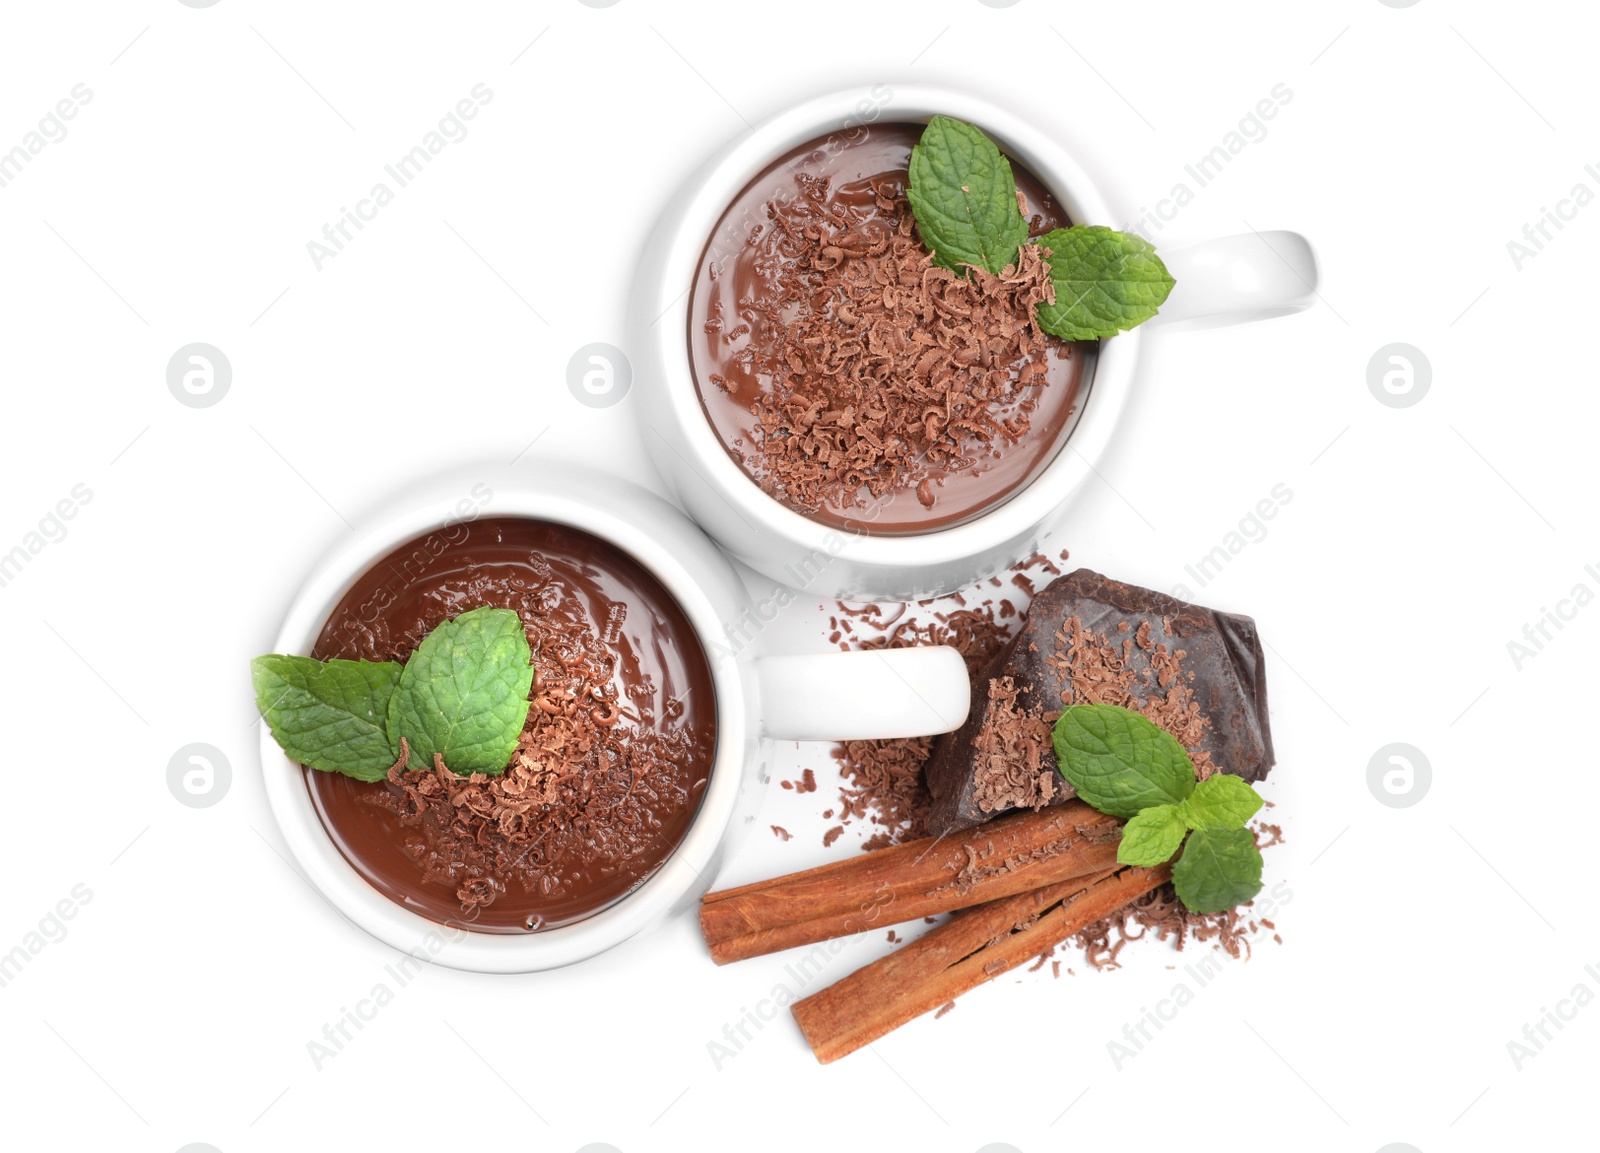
1419	541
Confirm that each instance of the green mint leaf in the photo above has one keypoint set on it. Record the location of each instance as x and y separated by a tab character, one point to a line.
1220	868
464	693
1221	802
330	717
964	198
1152	836
1106	281
1119	761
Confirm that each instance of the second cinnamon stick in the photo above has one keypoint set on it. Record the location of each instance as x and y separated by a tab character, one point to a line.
958	956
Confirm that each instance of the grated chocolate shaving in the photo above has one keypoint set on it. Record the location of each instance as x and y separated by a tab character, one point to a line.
1161	912
885	368
1014	755
584	785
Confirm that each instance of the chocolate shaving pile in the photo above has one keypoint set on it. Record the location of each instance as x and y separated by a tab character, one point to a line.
581	796
1160	912
1014	754
882	365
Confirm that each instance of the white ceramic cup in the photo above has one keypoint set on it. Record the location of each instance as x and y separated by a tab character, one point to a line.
1237	278
760	697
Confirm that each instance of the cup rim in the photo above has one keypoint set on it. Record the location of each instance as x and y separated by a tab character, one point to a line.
686	868
706	200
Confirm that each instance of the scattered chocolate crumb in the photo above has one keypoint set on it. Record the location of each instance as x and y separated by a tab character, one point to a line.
943	1009
1266	835
883	779
883	782
806	784
1161	912
832	835
782	833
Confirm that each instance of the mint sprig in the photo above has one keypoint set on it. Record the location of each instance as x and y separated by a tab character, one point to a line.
1221	802
1152	836
1220	868
1106	282
1125	765
462	694
1120	762
964	197
331	715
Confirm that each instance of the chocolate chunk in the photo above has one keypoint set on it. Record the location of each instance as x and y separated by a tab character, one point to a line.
1196	672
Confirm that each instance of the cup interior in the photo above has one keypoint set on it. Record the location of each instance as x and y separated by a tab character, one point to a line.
746	300
623	690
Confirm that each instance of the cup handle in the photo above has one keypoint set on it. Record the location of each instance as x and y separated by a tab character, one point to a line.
1233	279
864	695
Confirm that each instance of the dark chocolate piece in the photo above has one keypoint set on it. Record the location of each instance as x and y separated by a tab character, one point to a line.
1196	672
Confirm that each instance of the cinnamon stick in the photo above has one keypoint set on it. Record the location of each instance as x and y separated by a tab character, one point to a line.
958	956
1017	853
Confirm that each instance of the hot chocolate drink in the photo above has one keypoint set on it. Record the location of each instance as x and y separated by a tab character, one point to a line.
853	380
610	766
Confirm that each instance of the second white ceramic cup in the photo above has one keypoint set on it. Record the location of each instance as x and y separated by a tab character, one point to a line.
1236	278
